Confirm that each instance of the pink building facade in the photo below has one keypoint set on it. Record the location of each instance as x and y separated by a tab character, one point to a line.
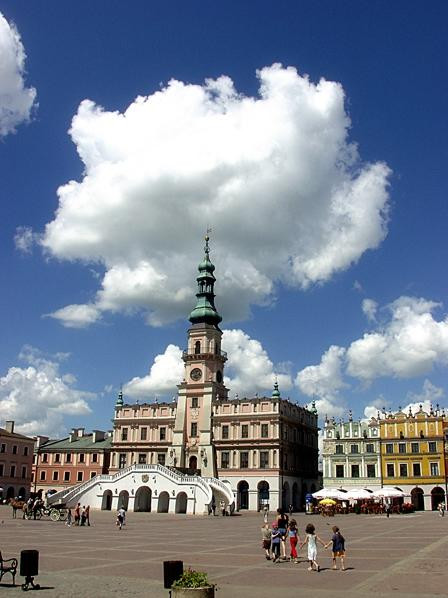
16	459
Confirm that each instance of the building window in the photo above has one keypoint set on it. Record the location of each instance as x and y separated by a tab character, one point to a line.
194	402
14	449
401	447
371	470
13	471
432	447
264	459
389	448
354	449
43	475
80	476
3	448
416	470
390	470
162	433
339	449
66	476
244	459
194	430
95	458
225	432
92	474
55	476
82	458
161	458
45	458
142	458
197	348
434	468
2	468
339	471
414	447
23	472
264	430
122	460
25	451
143	433
225	459
370	448
403	470
68	458
245	431
355	471
124	434
57	458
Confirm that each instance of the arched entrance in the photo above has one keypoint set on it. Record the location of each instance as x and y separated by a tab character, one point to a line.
22	493
193	462
10	493
303	496
142	501
123	500
286	496
106	504
295	497
263	494
181	503
437	496
243	495
417	499
163	503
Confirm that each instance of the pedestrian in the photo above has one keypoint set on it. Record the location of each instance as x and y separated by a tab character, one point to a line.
265	513
275	543
388	508
294	538
311	539
266	536
213	505
77	513
83	516
88	515
338	548
222	506
441	508
291	509
121	517
69	518
282	525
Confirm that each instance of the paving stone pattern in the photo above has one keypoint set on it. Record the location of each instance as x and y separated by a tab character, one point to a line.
404	556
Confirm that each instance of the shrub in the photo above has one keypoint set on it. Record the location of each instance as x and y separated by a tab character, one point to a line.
192	579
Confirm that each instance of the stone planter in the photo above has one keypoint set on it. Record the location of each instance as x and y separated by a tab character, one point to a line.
205	592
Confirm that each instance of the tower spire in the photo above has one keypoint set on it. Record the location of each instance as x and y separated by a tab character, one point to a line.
205	311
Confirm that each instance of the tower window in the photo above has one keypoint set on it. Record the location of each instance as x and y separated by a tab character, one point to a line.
219	377
197	347
194	429
194	401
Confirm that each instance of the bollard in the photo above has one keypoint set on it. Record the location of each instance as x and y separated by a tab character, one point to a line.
172	570
29	567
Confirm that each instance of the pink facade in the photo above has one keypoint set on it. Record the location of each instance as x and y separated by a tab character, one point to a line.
16	458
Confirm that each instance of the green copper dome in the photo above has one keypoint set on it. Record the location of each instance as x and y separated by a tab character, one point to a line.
275	392
205	310
119	401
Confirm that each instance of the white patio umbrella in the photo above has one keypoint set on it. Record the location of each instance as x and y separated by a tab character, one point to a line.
388	492
359	494
330	493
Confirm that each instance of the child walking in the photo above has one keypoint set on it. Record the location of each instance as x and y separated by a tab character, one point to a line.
276	537
294	537
338	549
311	539
266	540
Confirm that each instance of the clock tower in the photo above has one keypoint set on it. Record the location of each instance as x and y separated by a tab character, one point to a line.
192	445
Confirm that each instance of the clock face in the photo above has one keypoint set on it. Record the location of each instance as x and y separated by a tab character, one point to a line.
196	374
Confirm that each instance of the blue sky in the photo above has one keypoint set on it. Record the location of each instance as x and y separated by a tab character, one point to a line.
326	193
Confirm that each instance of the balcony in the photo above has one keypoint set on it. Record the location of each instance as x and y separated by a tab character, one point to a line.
192	356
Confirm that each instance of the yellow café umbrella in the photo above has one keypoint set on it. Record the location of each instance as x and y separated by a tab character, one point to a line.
327	501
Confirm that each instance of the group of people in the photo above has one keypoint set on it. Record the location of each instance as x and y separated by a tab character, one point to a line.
274	541
223	509
32	507
81	516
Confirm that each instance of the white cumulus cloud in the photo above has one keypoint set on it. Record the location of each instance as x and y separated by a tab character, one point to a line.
165	373
276	175
38	396
16	100
369	308
76	316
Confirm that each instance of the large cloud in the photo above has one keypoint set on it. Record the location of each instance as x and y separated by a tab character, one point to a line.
275	175
249	370
37	397
16	100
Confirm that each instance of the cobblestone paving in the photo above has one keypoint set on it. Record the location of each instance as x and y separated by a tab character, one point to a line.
404	556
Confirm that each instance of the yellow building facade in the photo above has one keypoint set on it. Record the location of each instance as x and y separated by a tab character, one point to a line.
412	451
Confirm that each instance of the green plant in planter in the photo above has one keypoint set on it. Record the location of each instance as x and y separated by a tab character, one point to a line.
192	579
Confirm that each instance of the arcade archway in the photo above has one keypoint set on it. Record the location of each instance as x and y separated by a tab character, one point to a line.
142	501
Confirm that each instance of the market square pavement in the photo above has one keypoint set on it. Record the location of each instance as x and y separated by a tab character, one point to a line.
404	556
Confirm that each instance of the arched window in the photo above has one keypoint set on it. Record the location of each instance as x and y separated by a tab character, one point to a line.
197	347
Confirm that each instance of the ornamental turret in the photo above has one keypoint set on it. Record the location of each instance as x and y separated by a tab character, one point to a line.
205	310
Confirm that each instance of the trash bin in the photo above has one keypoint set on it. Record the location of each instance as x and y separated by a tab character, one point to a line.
172	570
29	563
